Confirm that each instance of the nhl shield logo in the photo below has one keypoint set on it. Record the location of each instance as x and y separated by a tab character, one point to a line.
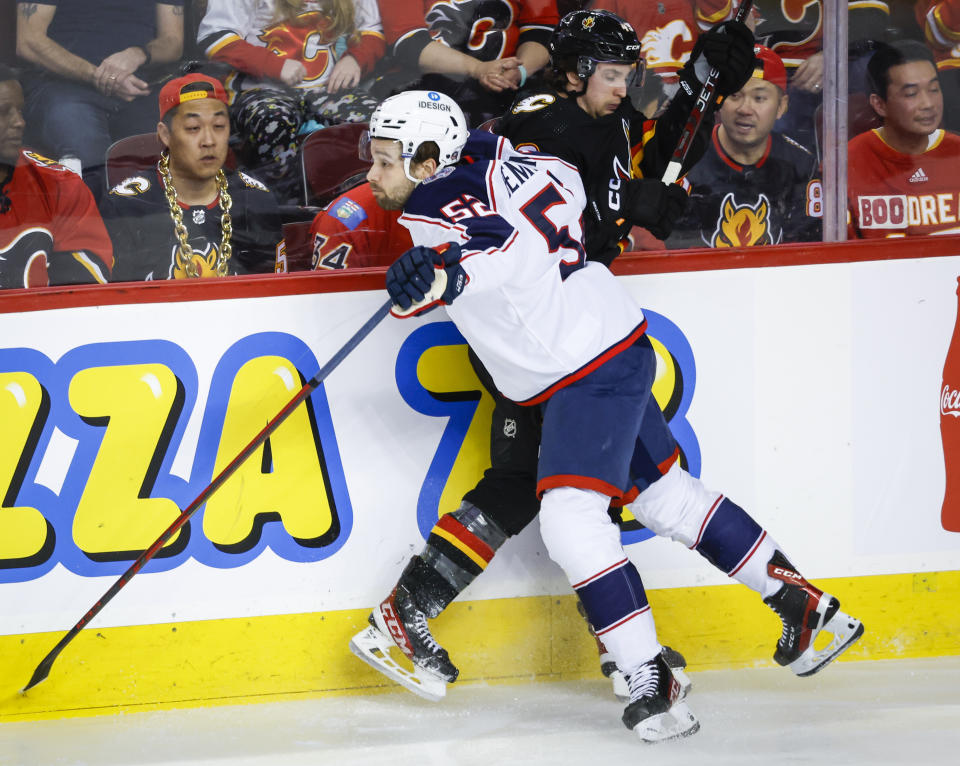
510	428
199	216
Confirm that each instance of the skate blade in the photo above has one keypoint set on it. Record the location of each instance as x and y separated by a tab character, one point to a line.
846	631
678	721
373	647
622	692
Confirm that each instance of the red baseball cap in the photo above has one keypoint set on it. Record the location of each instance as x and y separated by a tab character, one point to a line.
769	66
190	88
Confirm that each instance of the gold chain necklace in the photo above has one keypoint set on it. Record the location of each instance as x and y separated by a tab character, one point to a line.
226	223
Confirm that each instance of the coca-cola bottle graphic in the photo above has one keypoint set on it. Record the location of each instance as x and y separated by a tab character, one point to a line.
950	429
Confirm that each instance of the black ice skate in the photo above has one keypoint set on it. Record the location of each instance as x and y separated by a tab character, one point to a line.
806	612
608	666
399	623
656	711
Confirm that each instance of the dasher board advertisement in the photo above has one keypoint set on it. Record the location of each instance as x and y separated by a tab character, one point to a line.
812	395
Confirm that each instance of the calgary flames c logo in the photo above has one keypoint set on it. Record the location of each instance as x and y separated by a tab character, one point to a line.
302	39
743	225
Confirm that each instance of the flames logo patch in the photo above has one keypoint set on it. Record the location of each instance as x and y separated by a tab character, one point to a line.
743	225
205	262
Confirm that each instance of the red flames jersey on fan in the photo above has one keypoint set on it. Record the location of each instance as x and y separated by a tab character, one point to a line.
940	20
484	29
355	232
51	233
668	29
247	36
891	194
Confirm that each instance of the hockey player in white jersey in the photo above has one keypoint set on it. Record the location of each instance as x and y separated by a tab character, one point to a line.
499	242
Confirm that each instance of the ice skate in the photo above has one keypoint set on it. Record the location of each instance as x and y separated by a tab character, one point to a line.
397	623
656	712
608	666
806	612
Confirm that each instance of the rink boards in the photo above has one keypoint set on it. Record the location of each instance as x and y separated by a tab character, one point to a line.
804	383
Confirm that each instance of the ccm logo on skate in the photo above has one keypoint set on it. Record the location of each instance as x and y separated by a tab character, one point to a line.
396	630
87	474
785	574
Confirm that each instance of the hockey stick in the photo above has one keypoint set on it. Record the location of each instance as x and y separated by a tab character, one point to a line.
43	669
703	103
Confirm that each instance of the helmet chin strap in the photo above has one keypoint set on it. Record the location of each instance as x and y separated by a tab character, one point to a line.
406	170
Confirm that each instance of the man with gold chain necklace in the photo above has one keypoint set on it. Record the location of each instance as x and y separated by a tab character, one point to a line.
189	217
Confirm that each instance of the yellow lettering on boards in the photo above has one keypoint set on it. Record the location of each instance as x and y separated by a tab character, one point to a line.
290	484
115	517
23	531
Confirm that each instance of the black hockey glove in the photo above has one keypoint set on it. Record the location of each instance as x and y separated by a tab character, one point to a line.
728	47
423	278
654	205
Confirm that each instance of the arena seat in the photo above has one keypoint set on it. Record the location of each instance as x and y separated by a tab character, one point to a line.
330	162
130	156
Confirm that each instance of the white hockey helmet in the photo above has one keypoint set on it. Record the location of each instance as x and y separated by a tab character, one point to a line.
414	117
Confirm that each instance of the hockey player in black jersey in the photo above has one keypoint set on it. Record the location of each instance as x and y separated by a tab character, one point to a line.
753	186
189	217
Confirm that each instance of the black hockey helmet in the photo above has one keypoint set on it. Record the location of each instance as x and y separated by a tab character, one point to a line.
584	38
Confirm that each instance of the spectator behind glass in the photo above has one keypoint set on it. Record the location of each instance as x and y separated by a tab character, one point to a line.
190	218
940	20
798	40
296	64
353	231
753	186
480	53
50	230
902	177
87	85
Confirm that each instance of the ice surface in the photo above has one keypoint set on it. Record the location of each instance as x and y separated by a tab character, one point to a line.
889	712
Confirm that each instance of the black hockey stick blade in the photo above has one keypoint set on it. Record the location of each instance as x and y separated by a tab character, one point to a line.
43	669
701	106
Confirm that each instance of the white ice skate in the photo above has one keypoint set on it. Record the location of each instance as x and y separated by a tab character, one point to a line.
375	648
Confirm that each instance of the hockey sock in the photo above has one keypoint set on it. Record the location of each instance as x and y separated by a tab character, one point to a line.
581	538
461	545
733	542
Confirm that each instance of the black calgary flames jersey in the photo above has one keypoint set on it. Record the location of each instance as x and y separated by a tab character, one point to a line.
607	151
145	244
50	230
780	199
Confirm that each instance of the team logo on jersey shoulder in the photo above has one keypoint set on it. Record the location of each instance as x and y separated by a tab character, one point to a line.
251	182
131	187
46	162
534	103
349	213
442	173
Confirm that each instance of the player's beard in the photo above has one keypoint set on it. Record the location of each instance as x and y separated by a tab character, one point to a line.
395	200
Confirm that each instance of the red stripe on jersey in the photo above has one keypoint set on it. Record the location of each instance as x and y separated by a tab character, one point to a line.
589	367
580	482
